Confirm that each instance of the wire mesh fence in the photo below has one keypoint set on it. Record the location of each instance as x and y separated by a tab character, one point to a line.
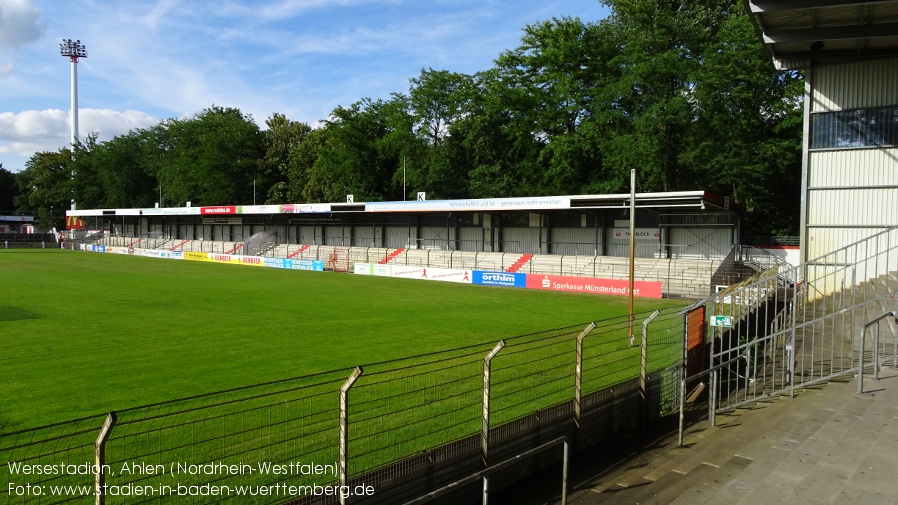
402	427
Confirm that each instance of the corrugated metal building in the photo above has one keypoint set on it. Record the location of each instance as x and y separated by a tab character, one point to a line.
848	51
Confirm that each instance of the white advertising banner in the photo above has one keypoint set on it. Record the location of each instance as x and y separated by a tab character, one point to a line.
476	205
432	274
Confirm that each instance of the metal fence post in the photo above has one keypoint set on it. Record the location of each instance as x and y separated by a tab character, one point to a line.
100	458
344	427
485	429
578	374
643	393
683	378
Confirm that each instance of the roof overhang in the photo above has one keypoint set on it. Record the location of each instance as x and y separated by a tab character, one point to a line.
799	33
668	201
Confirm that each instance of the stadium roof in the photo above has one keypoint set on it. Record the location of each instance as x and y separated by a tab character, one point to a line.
799	32
684	200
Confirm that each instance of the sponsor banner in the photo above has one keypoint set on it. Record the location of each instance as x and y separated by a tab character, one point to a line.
117	250
151	253
276	263
653	234
509	279
259	209
98	248
432	274
176	255
253	261
362	269
382	270
313	265
593	286
196	256
218	209
305	208
482	204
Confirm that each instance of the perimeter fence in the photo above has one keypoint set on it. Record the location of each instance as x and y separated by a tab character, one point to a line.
380	433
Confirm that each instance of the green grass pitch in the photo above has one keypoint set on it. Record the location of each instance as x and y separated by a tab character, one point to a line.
85	333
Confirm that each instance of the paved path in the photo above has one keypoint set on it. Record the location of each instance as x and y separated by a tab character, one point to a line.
828	445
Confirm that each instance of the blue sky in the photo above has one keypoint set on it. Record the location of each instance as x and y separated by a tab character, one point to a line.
153	60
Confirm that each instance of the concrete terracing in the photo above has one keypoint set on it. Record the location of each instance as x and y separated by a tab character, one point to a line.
827	445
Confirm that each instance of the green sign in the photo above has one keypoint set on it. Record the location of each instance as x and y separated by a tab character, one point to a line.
724	321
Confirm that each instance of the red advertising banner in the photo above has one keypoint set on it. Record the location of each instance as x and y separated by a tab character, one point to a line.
219	209
593	286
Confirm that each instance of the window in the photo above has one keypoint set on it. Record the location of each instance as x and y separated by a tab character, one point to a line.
855	128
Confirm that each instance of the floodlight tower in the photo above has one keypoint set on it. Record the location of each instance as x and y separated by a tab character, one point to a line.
74	49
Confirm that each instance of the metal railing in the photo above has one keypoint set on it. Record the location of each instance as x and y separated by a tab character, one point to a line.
792	327
875	361
484	474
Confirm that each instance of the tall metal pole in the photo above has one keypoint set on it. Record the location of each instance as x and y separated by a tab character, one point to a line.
74	101
73	49
632	245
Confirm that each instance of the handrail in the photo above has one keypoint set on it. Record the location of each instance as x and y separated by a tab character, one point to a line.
860	368
499	466
711	400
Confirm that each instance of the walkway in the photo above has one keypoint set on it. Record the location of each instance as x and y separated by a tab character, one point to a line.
828	445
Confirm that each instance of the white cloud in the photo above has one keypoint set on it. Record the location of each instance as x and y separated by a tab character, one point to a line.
20	23
27	132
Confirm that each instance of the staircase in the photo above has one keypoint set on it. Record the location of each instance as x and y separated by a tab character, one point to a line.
390	257
298	252
520	262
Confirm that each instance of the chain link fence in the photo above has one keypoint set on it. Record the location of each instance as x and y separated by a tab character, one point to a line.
383	433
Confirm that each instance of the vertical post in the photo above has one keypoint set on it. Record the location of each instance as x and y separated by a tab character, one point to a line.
485	427
632	246
578	374
100	459
344	427
643	358
564	467
712	401
683	385
860	365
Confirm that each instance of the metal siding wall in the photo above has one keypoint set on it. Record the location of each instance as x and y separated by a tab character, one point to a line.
834	168
704	243
471	239
334	236
307	236
578	241
855	85
520	240
853	207
364	237
398	237
837	214
433	237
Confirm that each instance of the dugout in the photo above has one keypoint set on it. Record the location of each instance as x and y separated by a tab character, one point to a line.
689	224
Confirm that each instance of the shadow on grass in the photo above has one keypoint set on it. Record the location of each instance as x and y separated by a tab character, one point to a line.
8	313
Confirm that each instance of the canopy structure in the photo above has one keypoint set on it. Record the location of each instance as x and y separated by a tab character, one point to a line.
801	32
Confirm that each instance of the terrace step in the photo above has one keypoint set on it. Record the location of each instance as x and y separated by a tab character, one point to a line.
298	251
390	257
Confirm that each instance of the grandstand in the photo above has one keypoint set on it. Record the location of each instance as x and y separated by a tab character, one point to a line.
685	240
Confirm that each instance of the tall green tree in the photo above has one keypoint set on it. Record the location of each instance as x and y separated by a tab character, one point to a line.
360	154
209	159
8	191
45	188
282	170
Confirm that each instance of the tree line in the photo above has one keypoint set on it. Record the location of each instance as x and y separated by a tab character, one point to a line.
681	91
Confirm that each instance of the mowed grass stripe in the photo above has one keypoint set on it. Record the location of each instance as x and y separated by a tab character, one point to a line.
86	333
